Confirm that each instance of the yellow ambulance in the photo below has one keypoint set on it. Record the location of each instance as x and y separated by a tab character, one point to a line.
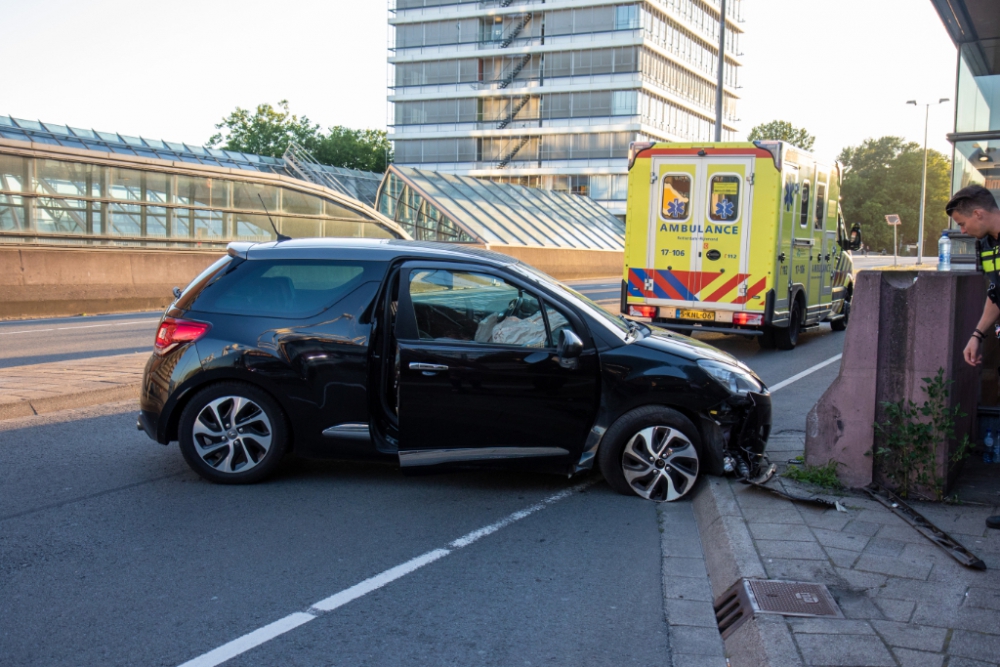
741	238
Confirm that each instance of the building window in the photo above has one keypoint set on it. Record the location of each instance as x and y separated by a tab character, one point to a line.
626	17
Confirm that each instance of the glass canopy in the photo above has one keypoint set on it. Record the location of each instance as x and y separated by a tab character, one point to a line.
361	185
445	207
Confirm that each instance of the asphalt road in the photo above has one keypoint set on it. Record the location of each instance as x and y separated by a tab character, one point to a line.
113	553
25	342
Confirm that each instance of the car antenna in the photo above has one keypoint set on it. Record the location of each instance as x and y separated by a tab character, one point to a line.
281	237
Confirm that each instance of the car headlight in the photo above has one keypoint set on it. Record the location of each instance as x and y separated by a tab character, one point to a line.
733	378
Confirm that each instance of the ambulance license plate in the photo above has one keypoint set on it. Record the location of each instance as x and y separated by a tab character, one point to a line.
705	315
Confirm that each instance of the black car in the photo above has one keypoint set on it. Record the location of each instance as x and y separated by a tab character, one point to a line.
437	355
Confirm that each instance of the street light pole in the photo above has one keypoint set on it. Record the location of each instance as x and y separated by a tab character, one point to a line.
722	70
923	181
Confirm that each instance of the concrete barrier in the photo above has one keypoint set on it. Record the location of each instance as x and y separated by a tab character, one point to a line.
47	281
567	263
54	281
904	326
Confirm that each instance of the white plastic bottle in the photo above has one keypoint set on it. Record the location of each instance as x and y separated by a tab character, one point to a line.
944	252
988	448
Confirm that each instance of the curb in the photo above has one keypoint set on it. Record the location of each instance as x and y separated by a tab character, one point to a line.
81	399
764	640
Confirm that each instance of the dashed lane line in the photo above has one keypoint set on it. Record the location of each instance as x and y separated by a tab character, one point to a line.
265	634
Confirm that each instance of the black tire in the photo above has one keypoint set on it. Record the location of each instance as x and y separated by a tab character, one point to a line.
669	476
841	324
766	339
786	338
248	444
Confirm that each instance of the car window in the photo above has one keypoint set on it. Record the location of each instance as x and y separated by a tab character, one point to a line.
284	288
557	322
475	307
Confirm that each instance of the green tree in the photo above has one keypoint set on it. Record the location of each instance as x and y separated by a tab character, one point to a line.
368	150
782	130
267	131
882	176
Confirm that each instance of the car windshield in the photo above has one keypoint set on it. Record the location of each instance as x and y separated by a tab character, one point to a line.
624	329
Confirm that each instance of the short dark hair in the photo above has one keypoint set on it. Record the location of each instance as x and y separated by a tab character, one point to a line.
969	198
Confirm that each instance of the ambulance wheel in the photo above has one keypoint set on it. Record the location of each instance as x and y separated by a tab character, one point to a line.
841	324
788	337
766	340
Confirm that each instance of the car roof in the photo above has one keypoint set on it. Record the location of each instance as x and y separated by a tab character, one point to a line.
365	249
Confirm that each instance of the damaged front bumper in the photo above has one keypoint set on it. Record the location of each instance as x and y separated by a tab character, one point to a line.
735	434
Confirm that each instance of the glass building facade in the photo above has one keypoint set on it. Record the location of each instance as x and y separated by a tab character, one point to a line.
520	93
447	207
974	26
62	185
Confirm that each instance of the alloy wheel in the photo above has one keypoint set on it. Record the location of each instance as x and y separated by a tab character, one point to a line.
232	434
660	463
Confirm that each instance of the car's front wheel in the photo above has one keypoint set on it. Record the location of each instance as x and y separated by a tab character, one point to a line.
651	452
233	433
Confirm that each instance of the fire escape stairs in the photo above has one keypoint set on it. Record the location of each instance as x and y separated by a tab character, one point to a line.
515	31
504	122
505	160
509	78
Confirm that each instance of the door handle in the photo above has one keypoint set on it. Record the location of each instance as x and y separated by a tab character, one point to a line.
781	257
827	258
416	366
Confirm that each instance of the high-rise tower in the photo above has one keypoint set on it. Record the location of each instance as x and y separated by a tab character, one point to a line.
549	93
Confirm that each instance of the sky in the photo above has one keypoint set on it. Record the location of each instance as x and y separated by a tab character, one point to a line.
842	69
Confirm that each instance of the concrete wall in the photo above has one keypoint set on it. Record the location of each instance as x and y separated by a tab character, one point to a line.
904	326
566	264
46	281
52	281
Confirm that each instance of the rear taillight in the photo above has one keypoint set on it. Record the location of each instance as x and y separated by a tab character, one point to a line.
173	332
642	311
749	319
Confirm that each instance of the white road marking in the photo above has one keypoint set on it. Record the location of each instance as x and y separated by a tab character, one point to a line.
265	634
86	326
378	581
251	640
808	371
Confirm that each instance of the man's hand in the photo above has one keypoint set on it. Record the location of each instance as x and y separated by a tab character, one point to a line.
973	353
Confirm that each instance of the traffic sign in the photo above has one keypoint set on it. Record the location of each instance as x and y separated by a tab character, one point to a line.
893	219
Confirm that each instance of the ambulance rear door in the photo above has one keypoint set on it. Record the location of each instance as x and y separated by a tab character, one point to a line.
698	246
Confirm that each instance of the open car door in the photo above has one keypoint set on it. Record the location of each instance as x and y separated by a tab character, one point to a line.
480	376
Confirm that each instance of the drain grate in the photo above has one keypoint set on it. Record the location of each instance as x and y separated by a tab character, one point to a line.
756	596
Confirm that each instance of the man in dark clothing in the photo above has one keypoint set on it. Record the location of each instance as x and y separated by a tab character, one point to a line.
976	213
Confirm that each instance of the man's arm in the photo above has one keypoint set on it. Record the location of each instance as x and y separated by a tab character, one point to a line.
973	351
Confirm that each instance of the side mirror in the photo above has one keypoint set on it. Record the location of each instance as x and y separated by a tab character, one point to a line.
177	292
855	243
569	349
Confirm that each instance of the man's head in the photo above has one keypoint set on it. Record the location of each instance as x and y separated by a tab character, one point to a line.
975	211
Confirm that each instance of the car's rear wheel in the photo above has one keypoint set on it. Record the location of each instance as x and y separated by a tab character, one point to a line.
786	338
841	324
233	433
651	452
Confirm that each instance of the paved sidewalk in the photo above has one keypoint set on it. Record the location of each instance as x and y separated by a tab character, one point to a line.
906	601
40	388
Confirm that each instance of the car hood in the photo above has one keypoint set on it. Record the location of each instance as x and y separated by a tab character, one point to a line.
685	346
